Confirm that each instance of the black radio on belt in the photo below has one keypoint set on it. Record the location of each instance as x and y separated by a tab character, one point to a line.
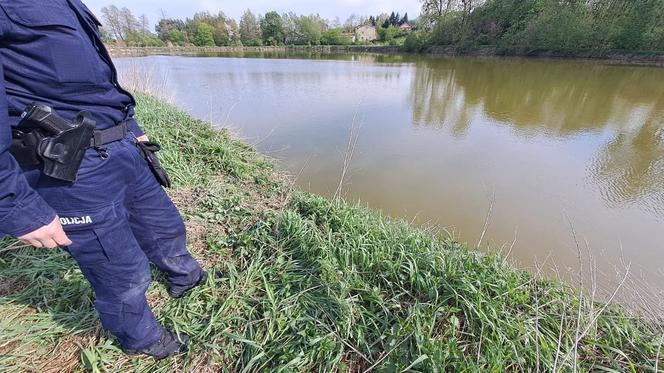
54	143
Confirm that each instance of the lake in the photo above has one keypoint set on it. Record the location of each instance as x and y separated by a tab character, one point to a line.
551	159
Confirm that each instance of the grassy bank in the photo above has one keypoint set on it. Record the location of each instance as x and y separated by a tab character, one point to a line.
312	285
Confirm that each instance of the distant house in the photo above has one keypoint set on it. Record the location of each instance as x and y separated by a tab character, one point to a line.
406	27
366	33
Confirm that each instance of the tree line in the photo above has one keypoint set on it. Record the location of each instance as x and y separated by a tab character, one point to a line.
121	25
532	25
272	28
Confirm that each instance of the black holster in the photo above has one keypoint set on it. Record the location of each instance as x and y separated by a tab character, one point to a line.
52	142
63	154
24	147
149	152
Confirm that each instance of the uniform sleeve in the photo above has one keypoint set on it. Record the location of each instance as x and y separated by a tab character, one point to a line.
132	125
22	210
134	128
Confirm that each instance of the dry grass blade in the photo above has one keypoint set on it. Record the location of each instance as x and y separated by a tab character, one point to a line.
353	136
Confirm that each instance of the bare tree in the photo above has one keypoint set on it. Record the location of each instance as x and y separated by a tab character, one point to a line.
113	22
434	9
130	22
120	22
145	24
437	8
354	21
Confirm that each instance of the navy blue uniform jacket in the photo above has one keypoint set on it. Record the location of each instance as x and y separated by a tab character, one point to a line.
50	52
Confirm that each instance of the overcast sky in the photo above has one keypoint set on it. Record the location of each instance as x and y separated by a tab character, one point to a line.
327	9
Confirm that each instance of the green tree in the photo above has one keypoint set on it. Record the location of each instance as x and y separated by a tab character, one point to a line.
224	29
311	30
272	29
176	37
291	32
250	29
171	30
304	30
233	32
203	35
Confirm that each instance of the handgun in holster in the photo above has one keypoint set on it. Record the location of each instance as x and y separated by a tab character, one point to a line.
52	142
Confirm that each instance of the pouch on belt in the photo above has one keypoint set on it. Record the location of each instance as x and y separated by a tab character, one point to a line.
149	152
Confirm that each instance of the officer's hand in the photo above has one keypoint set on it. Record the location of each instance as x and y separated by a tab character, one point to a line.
50	236
143	138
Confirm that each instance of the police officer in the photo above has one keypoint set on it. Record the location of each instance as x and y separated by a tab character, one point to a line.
115	218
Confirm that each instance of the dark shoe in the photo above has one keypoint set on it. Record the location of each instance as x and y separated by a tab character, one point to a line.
177	291
168	345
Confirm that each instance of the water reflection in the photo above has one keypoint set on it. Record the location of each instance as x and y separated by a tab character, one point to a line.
630	169
560	99
440	136
321	56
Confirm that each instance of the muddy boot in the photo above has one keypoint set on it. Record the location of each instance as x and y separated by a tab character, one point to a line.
168	345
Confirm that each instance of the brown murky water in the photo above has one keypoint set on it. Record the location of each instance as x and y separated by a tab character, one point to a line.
556	147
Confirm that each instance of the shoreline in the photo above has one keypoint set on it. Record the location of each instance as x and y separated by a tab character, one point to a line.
313	284
609	57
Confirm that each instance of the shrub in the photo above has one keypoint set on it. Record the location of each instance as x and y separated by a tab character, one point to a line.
554	25
388	34
335	37
557	27
416	42
448	30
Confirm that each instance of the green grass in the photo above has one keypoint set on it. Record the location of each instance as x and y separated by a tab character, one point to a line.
311	285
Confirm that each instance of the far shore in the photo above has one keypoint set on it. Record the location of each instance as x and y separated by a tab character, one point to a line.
611	57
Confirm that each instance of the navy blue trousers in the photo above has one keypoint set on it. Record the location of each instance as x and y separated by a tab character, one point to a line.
119	219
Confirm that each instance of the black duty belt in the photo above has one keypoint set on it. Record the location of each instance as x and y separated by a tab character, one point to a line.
108	135
24	144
